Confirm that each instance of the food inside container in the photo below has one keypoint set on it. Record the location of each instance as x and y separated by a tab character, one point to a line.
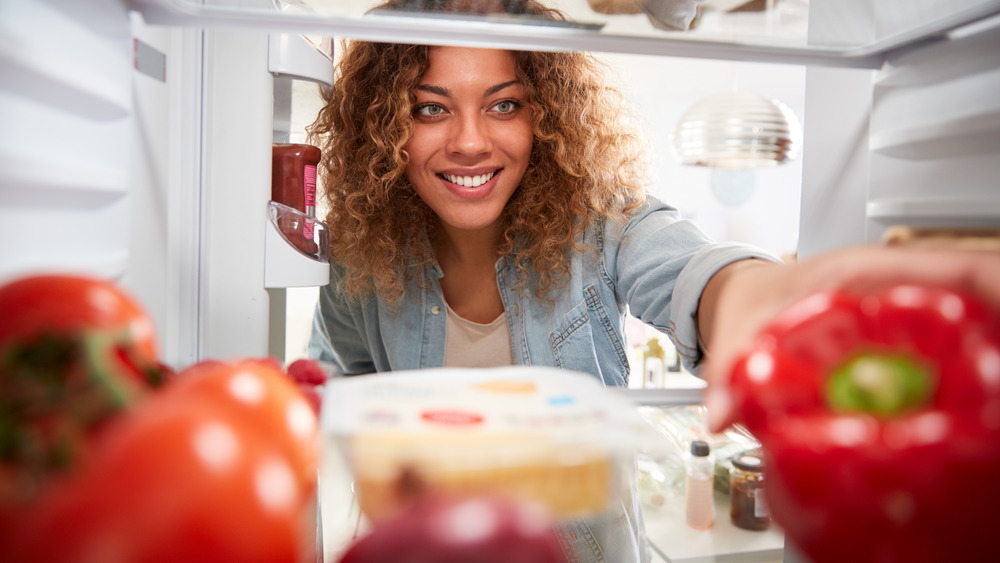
551	436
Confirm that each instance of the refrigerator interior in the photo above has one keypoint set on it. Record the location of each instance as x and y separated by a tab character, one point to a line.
137	135
135	140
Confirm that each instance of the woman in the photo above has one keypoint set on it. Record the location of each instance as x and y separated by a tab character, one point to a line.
465	185
487	208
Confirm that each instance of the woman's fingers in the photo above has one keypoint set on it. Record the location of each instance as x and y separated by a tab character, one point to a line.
753	296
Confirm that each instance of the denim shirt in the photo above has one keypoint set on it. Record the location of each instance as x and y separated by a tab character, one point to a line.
654	266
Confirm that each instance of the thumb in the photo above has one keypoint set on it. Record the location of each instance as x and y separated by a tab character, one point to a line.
719	404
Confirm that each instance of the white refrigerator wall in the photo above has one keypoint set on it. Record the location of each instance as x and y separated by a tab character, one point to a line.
916	143
100	156
65	121
935	136
835	156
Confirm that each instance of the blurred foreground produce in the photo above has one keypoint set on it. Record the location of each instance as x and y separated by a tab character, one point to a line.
74	352
879	417
66	305
442	528
219	465
216	464
309	377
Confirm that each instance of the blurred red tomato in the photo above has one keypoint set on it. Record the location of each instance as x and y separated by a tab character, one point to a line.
309	376
259	393
307	371
74	353
62	303
210	469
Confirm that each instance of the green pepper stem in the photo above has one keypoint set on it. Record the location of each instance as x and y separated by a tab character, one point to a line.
880	384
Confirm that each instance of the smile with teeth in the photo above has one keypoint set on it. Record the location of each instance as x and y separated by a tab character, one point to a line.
469	181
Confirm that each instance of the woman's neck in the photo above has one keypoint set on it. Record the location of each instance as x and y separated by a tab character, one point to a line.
465	246
468	260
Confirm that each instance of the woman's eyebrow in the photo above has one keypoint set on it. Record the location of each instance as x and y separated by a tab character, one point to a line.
494	89
444	92
434	90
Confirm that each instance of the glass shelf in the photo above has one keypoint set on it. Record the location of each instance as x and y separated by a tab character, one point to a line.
870	30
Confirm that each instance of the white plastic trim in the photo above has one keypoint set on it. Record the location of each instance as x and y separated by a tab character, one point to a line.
285	266
294	56
935	212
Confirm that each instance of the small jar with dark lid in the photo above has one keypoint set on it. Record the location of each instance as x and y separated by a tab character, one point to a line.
746	486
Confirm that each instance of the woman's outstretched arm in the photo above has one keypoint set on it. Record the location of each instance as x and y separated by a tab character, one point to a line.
741	298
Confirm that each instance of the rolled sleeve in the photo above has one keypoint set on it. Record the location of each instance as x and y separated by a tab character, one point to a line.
688	289
662	266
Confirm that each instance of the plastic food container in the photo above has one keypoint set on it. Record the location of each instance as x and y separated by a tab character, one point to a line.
548	435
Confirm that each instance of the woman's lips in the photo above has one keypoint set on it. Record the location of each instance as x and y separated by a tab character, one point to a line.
470	180
473	186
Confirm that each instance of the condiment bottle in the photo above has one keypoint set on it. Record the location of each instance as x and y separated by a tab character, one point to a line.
293	183
700	498
746	487
293	176
653	357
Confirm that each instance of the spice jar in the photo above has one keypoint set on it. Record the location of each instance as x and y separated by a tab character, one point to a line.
746	487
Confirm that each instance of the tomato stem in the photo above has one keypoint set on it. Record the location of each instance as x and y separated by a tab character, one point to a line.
880	384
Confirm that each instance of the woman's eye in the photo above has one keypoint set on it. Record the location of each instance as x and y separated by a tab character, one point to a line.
429	110
507	106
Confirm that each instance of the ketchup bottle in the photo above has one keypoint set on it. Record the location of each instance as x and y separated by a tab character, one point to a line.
293	183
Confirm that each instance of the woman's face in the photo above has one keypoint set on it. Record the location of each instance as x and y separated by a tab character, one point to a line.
471	135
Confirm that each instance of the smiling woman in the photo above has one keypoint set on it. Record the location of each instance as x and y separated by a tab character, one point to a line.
471	138
384	103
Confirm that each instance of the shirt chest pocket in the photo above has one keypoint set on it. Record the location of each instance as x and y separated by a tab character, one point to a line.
586	339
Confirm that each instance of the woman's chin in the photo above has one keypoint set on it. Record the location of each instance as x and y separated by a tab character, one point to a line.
472	221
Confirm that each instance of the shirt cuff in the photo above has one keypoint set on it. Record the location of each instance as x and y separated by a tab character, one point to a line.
687	292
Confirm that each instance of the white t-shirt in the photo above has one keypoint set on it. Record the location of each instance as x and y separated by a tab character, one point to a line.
474	345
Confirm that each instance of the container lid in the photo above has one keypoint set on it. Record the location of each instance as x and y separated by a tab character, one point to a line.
699	448
479	417
748	462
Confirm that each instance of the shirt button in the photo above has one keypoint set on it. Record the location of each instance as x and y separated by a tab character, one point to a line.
435	309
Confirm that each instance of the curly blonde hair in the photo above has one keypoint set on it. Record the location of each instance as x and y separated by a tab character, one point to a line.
586	163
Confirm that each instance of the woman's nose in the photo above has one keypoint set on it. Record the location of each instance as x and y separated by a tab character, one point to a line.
471	136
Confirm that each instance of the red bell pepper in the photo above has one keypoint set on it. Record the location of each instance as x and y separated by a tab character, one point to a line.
879	417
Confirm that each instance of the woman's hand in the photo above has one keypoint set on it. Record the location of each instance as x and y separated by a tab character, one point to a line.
751	296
